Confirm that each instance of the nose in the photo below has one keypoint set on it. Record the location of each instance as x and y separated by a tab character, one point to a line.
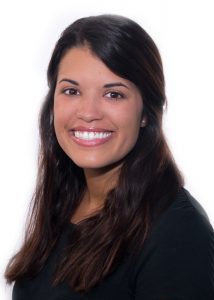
89	109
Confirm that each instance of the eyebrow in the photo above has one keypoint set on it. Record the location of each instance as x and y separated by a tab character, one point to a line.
108	85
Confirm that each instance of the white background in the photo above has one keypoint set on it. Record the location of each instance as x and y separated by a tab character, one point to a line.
184	32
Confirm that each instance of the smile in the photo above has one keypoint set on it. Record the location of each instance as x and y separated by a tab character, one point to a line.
90	136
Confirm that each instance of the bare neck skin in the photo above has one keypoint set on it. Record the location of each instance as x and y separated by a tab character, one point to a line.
99	182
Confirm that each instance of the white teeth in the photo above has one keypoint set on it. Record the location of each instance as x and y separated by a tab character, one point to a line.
85	135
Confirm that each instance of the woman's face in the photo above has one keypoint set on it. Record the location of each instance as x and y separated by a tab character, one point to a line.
97	114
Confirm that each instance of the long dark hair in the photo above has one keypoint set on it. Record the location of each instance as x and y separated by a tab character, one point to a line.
148	179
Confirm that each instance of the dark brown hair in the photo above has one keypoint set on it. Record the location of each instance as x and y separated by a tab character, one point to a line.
148	180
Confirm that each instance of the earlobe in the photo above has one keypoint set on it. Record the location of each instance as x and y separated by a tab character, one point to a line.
143	123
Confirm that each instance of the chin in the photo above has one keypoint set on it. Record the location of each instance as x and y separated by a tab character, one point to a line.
90	165
95	164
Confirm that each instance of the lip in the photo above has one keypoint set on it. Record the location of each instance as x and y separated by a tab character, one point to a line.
90	143
90	129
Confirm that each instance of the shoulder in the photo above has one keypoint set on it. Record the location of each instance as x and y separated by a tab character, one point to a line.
178	257
185	228
184	218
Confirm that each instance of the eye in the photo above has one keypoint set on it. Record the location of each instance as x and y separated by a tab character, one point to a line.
71	92
115	95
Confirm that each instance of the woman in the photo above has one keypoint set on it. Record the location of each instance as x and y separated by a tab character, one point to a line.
110	217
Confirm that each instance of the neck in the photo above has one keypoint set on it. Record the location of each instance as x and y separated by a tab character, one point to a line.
99	182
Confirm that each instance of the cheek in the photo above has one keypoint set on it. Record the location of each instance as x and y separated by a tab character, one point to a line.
58	117
131	120
131	126
62	115
60	125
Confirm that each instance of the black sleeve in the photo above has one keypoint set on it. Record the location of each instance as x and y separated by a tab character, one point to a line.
179	261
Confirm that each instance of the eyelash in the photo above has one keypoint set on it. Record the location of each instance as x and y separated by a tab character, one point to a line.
119	95
75	92
67	92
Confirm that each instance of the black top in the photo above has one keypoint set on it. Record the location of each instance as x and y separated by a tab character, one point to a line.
176	263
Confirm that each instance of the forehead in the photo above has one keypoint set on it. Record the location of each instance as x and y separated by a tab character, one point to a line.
82	65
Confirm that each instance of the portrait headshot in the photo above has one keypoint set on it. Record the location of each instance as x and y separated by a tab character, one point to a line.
116	180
